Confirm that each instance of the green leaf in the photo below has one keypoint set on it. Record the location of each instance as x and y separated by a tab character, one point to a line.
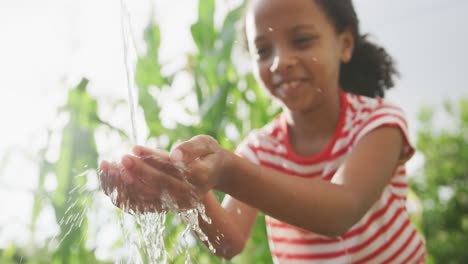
77	153
203	32
228	34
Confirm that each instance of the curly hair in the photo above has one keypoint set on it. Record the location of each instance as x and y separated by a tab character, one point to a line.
371	70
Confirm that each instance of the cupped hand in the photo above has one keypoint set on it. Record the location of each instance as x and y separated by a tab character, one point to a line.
146	182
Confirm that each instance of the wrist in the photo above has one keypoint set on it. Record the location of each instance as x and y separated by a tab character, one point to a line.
227	172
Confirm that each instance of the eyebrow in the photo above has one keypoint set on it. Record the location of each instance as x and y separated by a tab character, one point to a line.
294	29
303	26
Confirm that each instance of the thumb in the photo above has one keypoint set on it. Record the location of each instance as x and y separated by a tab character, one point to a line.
195	148
177	156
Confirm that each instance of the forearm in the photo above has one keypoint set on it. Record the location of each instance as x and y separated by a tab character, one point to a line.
223	232
315	205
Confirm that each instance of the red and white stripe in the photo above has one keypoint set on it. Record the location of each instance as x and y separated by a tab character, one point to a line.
385	234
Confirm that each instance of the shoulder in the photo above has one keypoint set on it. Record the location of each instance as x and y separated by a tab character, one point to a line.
364	110
363	104
368	114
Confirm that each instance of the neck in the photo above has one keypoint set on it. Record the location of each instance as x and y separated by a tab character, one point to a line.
317	123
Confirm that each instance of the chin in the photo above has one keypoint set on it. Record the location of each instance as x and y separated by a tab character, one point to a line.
302	107
297	108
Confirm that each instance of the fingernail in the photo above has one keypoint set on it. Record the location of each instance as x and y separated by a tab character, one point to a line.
176	155
137	150
103	167
127	162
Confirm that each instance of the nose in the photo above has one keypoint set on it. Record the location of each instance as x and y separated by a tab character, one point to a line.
283	60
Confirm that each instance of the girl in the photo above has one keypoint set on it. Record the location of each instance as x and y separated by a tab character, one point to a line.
328	172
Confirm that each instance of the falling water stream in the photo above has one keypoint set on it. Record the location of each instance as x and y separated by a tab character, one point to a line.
142	233
149	240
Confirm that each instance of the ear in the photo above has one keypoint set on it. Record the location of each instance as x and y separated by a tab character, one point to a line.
347	46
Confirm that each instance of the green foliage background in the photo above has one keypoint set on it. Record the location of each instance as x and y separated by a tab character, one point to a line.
226	100
442	185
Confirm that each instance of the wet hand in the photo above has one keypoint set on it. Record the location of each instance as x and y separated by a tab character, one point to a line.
146	182
204	161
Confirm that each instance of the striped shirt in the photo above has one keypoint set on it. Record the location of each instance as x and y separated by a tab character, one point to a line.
385	234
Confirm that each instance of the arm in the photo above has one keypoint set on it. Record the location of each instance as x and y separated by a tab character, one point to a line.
231	225
153	172
328	208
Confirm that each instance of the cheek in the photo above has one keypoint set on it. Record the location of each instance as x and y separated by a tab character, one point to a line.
325	67
332	62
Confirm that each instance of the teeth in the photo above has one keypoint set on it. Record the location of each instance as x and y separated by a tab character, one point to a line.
288	85
284	87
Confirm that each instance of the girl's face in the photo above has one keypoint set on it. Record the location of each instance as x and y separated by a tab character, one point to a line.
296	51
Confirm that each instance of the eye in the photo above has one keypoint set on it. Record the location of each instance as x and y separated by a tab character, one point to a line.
262	52
304	41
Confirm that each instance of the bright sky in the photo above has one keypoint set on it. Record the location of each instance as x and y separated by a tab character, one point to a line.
46	46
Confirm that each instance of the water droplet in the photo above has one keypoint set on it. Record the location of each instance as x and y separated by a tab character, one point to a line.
239	211
270	29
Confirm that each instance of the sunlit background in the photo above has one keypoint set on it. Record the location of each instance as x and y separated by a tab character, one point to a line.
47	46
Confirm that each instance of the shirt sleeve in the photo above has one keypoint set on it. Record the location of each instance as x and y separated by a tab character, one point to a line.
387	115
246	151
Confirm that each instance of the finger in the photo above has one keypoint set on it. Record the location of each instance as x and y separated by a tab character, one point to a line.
103	167
120	195
113	177
103	174
127	178
200	171
198	146
151	184
169	199
159	159
150	176
121	199
167	166
112	184
141	203
107	177
143	151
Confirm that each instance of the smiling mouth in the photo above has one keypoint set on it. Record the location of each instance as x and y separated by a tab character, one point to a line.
289	88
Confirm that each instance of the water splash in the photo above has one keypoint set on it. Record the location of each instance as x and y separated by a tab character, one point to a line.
189	216
152	230
152	224
79	201
146	241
